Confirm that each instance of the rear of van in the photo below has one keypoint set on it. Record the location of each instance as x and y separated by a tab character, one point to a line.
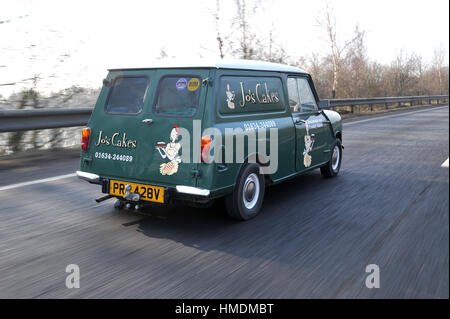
133	144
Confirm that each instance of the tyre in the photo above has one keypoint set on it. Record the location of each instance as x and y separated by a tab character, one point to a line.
331	169
246	200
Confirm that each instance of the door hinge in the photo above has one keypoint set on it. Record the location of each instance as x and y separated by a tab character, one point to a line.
87	160
207	81
196	173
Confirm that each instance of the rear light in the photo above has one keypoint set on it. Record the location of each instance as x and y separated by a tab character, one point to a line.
85	135
205	147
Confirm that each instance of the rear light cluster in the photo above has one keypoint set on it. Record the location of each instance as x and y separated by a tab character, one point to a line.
85	135
205	147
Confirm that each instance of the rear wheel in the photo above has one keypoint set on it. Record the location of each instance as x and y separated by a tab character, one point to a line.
331	169
246	200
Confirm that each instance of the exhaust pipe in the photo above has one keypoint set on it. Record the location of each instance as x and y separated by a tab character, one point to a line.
101	199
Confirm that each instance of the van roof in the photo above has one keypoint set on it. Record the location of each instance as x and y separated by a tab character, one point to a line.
221	64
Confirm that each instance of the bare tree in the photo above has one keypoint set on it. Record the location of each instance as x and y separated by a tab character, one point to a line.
216	16
162	54
242	41
354	66
328	23
438	63
273	51
247	38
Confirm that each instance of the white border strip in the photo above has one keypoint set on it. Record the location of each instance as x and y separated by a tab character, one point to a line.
38	181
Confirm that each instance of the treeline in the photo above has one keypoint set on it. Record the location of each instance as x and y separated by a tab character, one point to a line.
361	77
345	71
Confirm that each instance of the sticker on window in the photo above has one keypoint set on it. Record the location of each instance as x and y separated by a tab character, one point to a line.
193	84
181	84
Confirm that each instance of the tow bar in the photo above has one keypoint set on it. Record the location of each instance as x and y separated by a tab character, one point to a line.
101	199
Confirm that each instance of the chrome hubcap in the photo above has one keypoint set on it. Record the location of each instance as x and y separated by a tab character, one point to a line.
250	193
335	158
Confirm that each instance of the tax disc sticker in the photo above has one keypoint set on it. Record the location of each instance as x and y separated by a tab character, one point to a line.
193	84
181	84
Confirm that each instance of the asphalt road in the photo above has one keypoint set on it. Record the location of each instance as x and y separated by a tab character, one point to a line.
313	239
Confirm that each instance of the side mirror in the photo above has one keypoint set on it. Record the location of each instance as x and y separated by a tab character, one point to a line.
324	104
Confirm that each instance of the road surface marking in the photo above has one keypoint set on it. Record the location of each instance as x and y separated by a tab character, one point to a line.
38	181
55	178
394	115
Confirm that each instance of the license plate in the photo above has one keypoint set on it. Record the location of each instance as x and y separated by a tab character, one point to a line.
146	192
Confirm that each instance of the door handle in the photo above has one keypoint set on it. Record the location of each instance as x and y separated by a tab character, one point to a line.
298	121
147	121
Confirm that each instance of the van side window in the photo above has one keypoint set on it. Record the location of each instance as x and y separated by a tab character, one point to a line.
250	95
178	96
307	99
294	99
127	95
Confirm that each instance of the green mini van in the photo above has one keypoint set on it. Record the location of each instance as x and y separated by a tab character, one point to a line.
193	134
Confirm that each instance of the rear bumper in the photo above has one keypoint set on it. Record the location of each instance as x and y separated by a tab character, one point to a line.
92	178
192	190
178	192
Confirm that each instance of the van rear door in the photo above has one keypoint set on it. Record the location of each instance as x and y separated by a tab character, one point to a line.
137	122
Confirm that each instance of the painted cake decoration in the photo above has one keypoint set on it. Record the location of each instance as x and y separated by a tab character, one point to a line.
170	151
230	97
309	142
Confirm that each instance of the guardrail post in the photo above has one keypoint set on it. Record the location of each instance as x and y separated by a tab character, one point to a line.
386	106
371	107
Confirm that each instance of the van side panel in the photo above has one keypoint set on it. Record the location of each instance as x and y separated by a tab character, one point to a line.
264	104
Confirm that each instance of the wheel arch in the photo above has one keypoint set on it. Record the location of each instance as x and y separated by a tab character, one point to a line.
257	158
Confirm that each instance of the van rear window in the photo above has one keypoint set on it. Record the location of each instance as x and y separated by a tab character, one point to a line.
178	96
127	95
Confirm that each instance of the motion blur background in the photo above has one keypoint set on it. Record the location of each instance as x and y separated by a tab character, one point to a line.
314	237
56	53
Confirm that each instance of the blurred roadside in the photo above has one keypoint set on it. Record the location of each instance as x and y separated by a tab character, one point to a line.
72	97
35	164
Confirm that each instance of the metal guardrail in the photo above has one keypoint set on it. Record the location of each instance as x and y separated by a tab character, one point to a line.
386	100
24	120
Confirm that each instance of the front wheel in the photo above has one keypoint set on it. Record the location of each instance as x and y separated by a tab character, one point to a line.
246	200
331	169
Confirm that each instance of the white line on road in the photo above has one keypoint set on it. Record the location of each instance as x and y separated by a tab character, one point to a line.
38	181
395	115
55	178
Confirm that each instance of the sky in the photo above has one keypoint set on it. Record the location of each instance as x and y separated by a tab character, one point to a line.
74	42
